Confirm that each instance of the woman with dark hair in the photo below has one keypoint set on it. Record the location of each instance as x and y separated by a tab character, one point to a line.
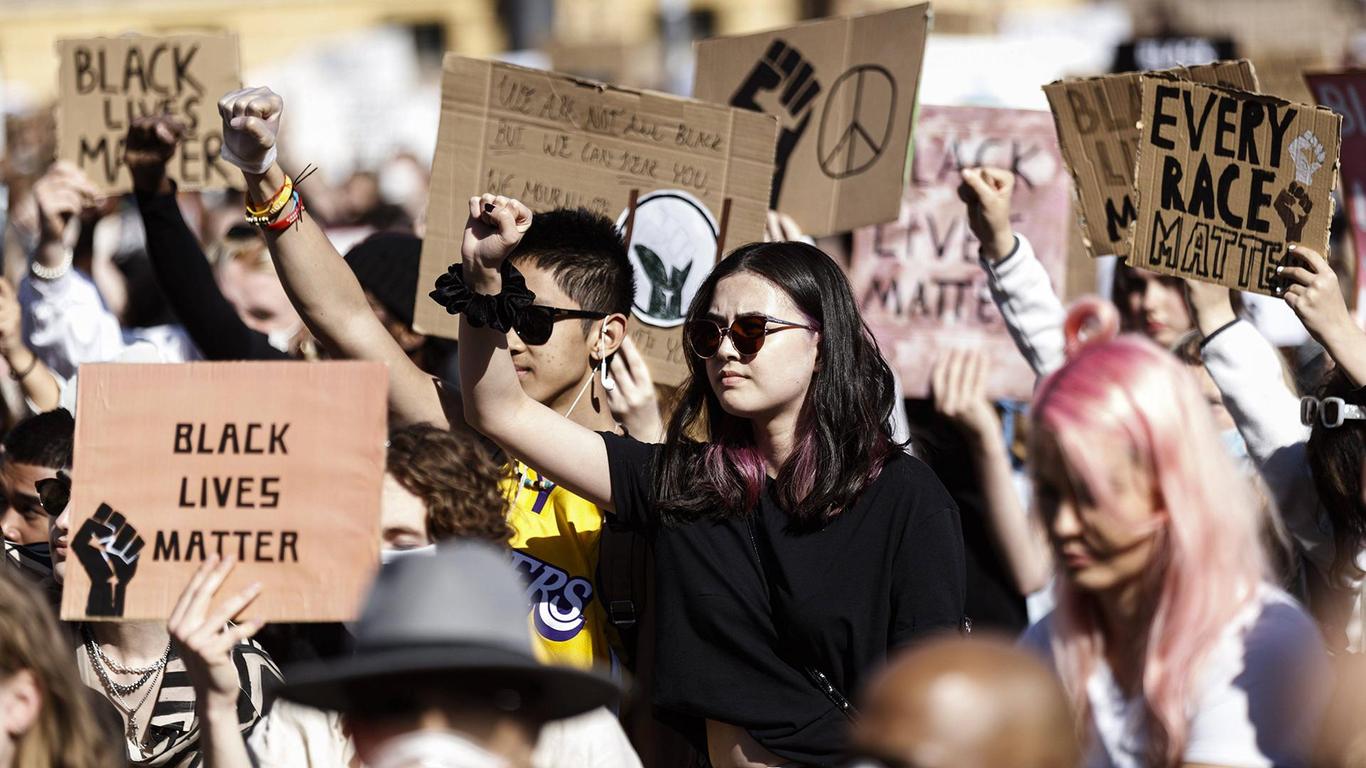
795	543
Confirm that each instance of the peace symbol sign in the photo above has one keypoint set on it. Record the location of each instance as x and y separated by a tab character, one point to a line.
850	145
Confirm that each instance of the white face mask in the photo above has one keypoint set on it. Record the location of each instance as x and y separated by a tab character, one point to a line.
387	555
433	749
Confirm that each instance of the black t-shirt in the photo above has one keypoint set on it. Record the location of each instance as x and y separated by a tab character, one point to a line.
746	606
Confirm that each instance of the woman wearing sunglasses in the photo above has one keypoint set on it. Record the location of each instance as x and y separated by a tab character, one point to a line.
795	543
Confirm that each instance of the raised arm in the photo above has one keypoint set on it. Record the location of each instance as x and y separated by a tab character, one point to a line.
1311	289
495	404
322	288
181	269
1019	284
40	387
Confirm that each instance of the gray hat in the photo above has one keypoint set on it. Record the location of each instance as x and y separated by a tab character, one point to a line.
461	611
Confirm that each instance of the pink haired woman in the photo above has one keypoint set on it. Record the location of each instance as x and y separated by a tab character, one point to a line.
1174	647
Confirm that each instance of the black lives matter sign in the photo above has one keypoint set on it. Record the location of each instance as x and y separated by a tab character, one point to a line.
1227	180
106	83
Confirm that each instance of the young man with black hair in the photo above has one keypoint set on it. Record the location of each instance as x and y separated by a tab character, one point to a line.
34	450
576	264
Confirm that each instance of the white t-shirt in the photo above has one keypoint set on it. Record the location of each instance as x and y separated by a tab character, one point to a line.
1257	702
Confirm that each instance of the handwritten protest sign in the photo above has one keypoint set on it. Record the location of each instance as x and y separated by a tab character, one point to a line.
1345	93
844	91
105	83
249	460
1227	179
695	174
917	279
1097	121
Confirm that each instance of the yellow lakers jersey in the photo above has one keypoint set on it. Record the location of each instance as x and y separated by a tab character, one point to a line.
555	547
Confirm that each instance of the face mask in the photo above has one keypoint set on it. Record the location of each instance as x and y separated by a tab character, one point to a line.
433	749
387	556
1234	445
282	339
32	558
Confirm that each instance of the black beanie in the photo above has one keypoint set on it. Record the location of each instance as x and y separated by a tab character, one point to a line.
386	264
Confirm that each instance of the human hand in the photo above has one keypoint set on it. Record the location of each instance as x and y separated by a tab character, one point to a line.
206	639
958	385
1311	288
494	228
107	547
631	396
59	195
150	143
251	126
987	192
779	227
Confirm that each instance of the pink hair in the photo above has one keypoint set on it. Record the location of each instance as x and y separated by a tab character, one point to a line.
1125	393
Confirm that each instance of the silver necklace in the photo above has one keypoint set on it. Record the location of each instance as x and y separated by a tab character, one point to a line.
131	711
100	661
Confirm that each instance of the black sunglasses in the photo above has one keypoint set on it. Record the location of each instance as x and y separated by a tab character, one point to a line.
54	492
747	332
536	322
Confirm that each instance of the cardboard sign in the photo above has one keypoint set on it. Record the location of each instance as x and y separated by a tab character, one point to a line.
1227	179
1097	121
105	83
554	141
1345	94
278	465
917	279
844	91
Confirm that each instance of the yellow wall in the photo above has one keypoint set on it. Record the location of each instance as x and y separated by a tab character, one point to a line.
267	31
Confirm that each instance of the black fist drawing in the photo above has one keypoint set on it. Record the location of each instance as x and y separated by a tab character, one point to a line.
107	547
782	67
1293	206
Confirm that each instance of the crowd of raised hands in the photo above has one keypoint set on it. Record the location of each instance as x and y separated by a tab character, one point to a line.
1175	531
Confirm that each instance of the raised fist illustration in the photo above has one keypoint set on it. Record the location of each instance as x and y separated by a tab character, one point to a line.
108	547
1293	206
782	67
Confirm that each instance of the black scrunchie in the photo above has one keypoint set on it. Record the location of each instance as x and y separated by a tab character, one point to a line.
499	313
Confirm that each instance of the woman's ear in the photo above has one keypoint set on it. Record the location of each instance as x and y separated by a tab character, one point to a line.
21	699
610	336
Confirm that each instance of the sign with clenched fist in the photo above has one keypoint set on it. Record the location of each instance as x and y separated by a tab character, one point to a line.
1097	121
106	83
1227	180
686	180
175	463
844	93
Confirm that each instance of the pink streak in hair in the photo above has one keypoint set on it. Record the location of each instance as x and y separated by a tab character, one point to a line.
1125	393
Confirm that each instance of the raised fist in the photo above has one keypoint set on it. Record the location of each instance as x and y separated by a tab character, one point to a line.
494	228
1293	206
251	123
782	66
148	148
987	192
108	548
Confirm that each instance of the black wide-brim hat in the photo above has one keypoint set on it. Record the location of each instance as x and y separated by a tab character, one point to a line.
454	622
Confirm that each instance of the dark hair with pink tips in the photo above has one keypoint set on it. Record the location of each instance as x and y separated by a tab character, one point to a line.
710	466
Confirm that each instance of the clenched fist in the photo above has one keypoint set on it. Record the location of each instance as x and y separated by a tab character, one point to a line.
251	123
150	144
987	191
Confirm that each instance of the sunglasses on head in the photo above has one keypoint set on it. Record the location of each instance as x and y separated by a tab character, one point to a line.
747	332
54	492
536	322
1330	411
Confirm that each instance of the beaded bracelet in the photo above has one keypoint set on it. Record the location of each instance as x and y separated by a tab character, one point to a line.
263	216
289	219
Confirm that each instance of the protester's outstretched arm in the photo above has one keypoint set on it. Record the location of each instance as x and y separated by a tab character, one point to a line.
40	386
322	288
959	389
495	404
1019	283
1312	290
178	261
205	640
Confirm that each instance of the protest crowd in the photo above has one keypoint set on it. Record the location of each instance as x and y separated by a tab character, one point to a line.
730	429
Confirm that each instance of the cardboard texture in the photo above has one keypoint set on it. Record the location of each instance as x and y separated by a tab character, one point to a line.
918	281
1344	92
175	463
844	91
1227	179
1097	124
554	141
105	83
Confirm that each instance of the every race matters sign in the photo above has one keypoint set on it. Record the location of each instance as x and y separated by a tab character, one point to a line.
917	279
1227	179
105	83
175	463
